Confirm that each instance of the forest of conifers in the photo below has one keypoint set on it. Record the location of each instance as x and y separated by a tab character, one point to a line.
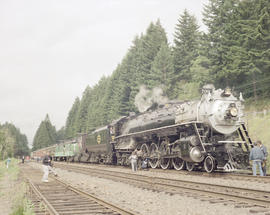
234	51
12	142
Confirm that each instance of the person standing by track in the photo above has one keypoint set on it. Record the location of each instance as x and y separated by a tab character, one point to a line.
47	167
133	160
265	154
8	162
256	156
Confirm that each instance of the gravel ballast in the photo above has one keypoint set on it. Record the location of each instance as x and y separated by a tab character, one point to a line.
147	202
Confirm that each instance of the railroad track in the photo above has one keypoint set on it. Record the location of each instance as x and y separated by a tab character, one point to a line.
212	192
60	198
242	175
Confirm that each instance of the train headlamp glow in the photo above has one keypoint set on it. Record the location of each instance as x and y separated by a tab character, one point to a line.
233	111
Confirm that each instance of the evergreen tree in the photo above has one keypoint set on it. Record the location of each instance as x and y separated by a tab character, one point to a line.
219	17
140	60
70	128
121	89
151	42
6	144
200	70
20	145
14	143
238	42
251	59
81	118
60	134
162	69
135	57
185	48
97	116
45	135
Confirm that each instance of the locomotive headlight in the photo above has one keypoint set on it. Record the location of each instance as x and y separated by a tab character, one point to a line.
233	111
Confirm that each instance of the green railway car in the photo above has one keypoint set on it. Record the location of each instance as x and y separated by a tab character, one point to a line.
67	150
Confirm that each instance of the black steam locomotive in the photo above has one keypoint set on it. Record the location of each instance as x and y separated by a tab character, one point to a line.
207	134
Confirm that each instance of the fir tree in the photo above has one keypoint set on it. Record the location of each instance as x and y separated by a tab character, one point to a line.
70	128
60	134
162	69
81	118
45	135
185	48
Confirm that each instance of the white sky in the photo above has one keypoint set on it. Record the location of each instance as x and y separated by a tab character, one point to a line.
50	50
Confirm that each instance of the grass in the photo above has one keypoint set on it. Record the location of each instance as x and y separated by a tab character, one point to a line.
20	204
259	105
259	127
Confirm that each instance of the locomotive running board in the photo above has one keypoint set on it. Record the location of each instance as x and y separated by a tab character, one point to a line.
157	129
231	141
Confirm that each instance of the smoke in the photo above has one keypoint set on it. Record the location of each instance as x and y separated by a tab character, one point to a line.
146	98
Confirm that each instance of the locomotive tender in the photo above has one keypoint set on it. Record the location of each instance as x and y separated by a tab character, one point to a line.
207	134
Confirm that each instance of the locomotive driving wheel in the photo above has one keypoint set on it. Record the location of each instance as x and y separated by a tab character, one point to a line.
145	151
209	164
164	150
190	166
178	163
153	155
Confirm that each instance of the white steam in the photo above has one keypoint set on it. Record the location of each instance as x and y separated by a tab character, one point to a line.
146	98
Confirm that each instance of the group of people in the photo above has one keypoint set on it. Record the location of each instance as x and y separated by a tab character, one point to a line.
258	156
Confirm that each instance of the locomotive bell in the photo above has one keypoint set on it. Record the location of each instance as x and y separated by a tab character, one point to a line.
196	154
227	92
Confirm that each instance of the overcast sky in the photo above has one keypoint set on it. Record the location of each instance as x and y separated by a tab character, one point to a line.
50	50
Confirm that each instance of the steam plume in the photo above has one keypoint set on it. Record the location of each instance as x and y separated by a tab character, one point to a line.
146	98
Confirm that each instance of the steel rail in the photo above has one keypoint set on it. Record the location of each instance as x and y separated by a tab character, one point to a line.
259	202
223	175
50	208
52	211
96	199
168	183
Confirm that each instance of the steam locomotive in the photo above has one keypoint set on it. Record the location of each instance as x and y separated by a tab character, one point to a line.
207	134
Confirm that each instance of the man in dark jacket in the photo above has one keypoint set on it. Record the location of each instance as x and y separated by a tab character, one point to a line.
265	154
47	166
256	156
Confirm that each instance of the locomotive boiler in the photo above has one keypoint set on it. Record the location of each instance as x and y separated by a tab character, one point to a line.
208	133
